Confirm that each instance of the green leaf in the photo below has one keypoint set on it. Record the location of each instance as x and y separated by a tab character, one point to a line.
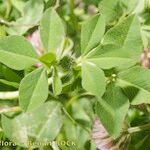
93	79
49	3
92	33
48	59
84	113
138	78
143	143
52	31
112	109
110	56
56	84
32	13
128	6
121	46
33	90
110	9
40	125
9	83
46	1
17	53
83	117
11	75
95	2
19	5
126	35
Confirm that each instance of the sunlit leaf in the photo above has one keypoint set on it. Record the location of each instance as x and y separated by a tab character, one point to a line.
40	125
109	107
93	79
52	31
17	53
33	90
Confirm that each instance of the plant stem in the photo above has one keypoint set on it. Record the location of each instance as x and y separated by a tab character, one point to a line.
73	121
73	99
8	10
57	4
15	94
10	109
141	128
9	95
1	129
2	21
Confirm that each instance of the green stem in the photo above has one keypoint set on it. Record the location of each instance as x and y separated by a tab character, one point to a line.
1	129
73	120
8	10
145	127
73	99
57	4
86	94
2	21
10	109
11	95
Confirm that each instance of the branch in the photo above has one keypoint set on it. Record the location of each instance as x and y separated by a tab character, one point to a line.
10	109
57	4
141	128
9	95
73	120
